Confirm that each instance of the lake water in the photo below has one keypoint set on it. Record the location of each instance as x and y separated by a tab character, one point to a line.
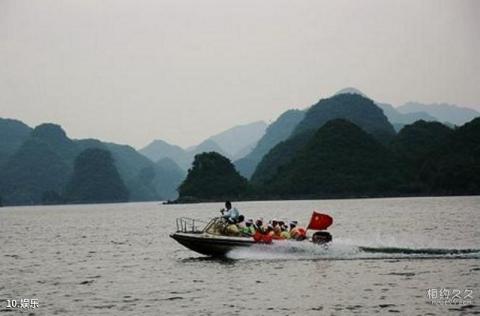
118	259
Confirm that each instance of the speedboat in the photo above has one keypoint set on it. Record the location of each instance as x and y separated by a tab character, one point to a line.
210	240
213	239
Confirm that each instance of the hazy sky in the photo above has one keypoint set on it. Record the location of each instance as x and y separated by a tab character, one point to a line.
132	71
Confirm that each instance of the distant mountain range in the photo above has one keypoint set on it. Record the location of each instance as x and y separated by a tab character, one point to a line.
236	140
283	127
39	161
323	143
396	117
232	143
411	112
344	146
443	112
159	149
276	132
288	124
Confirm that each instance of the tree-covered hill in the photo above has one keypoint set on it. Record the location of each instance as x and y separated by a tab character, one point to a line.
414	145
33	170
395	117
279	156
145	180
37	171
339	160
455	167
353	107
12	135
56	138
212	176
95	179
42	164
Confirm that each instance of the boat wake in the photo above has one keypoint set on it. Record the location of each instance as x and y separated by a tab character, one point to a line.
345	250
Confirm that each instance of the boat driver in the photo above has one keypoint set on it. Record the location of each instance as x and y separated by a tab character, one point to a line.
230	213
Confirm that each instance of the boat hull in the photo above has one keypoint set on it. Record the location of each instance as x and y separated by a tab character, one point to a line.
211	245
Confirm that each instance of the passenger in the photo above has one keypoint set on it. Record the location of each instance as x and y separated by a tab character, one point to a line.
269	230
248	229
274	223
230	213
285	234
232	230
302	233
240	222
298	233
259	226
263	238
277	232
263	234
293	226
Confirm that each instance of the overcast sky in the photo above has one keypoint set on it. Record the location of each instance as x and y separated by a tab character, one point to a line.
133	71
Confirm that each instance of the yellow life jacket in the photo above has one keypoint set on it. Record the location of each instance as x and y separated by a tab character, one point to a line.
285	235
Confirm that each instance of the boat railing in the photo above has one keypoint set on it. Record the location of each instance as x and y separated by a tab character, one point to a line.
216	226
189	225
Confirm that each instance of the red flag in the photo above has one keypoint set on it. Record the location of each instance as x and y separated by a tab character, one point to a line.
320	221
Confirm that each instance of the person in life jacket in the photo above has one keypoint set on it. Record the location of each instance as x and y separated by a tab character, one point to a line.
274	223
231	230
248	229
297	233
269	230
240	222
293	226
283	225
285	234
263	237
259	226
277	232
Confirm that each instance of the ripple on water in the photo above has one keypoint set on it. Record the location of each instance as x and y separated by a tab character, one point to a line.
174	298
87	282
103	306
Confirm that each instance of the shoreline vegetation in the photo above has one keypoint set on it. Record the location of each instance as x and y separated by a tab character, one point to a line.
308	198
342	147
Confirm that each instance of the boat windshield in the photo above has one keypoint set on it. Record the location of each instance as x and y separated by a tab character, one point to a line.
216	226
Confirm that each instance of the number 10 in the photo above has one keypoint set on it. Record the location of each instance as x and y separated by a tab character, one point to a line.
11	303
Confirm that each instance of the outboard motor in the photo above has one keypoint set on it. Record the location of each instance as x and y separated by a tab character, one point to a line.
321	238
